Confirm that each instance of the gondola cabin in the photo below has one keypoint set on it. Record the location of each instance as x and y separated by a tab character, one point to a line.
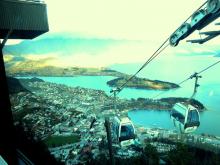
185	117
123	131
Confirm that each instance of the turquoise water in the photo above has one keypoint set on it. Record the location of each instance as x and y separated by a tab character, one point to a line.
177	69
151	118
93	82
209	119
173	70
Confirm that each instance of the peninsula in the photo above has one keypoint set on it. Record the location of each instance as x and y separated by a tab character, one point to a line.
52	71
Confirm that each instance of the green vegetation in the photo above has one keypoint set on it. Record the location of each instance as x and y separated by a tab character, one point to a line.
18	116
184	154
150	154
180	155
34	150
142	83
55	141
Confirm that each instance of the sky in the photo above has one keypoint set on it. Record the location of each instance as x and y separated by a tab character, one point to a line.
120	19
143	21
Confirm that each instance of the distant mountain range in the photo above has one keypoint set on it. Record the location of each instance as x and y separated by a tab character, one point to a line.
51	54
60	50
57	51
64	43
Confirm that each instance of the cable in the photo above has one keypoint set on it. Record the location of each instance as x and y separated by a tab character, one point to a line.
209	67
190	77
153	56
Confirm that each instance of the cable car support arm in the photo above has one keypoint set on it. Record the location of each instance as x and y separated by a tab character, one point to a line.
196	76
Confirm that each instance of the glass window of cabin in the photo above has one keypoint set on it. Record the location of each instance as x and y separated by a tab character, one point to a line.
193	116
178	116
127	132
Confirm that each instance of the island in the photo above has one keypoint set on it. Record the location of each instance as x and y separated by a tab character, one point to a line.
142	83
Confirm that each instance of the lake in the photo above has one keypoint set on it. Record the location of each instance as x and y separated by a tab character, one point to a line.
173	70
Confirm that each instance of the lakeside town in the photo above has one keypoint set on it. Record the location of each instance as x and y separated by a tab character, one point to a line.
56	112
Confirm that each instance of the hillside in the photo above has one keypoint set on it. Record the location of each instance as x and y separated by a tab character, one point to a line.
15	86
30	70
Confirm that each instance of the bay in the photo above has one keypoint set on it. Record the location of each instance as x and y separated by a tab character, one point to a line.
175	70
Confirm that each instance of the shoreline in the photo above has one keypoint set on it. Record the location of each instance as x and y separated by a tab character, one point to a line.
131	104
119	78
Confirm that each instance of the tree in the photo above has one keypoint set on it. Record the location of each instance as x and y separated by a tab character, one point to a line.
151	155
180	155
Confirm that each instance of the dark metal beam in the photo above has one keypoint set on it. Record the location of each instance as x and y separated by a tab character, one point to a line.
201	41
6	38
7	141
28	19
210	33
109	138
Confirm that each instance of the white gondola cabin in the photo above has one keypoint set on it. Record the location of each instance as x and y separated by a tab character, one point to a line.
185	117
123	131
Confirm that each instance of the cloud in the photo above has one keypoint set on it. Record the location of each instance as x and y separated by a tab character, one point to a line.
64	49
122	53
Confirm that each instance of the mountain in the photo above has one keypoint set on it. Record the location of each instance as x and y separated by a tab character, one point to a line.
65	50
55	52
64	43
14	86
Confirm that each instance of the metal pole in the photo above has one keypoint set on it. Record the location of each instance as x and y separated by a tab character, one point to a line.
196	83
109	138
7	140
114	91
115	107
196	76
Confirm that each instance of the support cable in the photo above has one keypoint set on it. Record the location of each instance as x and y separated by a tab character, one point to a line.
190	77
153	56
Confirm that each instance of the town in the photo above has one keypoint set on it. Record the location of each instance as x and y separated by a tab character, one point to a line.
70	121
